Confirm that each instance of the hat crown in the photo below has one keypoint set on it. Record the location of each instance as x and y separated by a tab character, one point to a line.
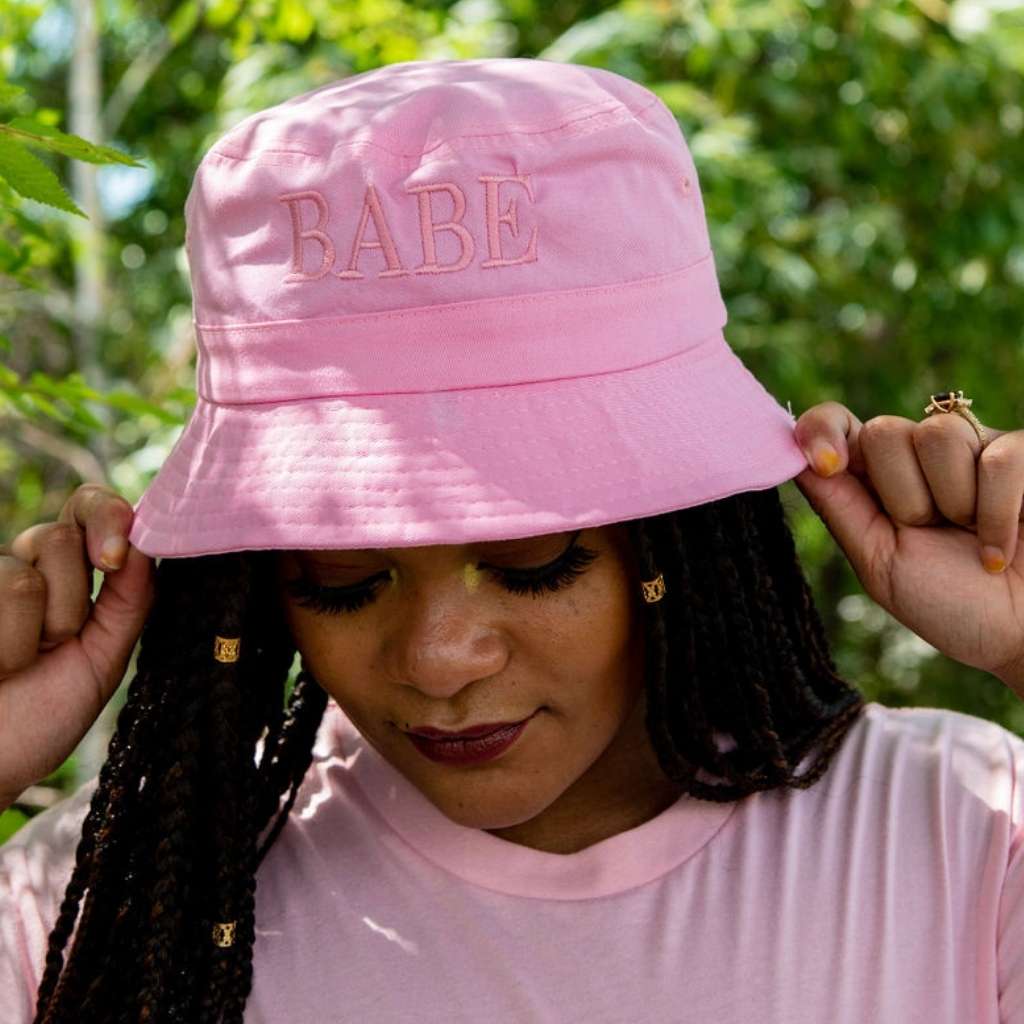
410	109
434	182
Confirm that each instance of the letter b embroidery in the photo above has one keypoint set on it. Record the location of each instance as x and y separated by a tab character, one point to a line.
316	233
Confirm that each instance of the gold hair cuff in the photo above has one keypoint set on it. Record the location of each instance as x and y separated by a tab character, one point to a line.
654	590
226	648
224	934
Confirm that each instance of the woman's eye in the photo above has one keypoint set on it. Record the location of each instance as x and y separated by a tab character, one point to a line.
537	580
566	568
334	600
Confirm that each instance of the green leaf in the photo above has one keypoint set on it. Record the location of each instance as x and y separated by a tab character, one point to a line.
45	406
45	136
11	259
31	178
10	821
74	383
9	93
183	21
294	21
84	419
221	12
127	402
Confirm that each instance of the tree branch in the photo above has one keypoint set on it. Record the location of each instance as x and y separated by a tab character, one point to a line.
133	81
80	459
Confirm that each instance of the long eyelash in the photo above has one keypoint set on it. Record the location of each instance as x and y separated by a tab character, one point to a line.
333	600
569	565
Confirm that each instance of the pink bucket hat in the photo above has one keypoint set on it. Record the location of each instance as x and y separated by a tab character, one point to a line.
453	301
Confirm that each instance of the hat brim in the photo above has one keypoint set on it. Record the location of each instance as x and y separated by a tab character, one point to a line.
456	467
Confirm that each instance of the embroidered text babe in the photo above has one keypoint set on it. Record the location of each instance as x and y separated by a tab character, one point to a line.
314	253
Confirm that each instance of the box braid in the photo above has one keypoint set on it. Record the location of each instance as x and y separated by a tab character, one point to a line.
171	842
183	812
736	651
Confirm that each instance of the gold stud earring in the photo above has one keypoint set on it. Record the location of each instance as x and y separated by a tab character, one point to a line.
654	590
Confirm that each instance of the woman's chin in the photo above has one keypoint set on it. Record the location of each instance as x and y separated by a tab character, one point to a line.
488	810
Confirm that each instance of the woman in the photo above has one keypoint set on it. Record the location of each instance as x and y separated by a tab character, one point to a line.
470	440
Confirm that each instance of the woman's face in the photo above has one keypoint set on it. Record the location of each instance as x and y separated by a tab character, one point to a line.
543	630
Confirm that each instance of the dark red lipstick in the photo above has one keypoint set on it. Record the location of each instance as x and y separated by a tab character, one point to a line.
474	745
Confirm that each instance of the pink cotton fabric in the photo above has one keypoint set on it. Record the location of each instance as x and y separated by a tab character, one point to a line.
890	892
451	301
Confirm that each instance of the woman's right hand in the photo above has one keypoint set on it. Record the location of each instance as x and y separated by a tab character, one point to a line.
62	655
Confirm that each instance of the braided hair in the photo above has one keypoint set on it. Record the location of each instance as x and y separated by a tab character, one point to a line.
207	757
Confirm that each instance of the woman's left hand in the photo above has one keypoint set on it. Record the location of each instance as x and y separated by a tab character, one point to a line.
930	524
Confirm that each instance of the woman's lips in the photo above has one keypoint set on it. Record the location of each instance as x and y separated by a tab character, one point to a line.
469	746
461	734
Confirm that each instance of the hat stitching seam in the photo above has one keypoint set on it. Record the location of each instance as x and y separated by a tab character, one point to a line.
522	128
701	350
472	480
178	515
637	284
593	76
615	108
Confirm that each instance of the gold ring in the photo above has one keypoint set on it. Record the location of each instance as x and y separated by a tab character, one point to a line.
954	401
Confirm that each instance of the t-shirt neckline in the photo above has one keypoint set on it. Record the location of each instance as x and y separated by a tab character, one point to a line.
619	863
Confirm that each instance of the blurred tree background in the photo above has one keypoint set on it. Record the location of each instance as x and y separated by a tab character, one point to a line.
862	165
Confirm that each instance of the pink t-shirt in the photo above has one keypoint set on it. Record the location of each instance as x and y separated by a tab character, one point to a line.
888	893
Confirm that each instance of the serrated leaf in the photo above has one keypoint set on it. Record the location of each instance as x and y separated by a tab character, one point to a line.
31	178
45	136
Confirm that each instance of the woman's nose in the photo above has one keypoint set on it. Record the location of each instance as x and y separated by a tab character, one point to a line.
445	641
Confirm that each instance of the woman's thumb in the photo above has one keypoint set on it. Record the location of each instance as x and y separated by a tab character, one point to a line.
118	614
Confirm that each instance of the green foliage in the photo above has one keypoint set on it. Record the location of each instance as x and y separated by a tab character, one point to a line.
10	821
60	781
26	173
30	177
69	401
45	136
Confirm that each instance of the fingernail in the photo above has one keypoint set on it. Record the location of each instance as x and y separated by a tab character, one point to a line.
112	553
992	558
825	459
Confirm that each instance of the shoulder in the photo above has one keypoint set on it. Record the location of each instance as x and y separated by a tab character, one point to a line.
938	752
48	842
934	734
35	866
